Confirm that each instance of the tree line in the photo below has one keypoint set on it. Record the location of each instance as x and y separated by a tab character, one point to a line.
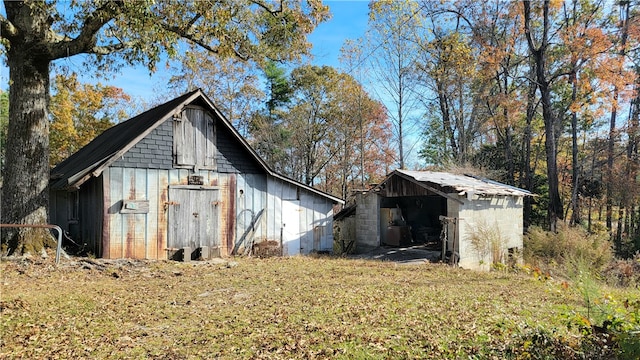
540	95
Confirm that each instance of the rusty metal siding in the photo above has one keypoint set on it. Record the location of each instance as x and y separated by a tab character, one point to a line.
145	235
238	198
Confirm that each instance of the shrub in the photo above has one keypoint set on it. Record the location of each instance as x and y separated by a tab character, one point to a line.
623	272
557	250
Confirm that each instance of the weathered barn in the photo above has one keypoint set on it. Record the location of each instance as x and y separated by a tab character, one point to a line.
472	222
180	176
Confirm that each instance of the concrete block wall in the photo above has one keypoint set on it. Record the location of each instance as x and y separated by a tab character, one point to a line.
502	217
367	222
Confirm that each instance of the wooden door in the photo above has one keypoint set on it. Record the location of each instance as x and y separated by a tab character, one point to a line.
193	218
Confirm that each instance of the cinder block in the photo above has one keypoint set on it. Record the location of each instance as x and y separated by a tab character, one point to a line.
186	254
204	253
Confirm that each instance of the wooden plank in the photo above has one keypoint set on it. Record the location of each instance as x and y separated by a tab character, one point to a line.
275	210
163	209
128	221
140	220
115	239
306	223
215	240
103	245
178	139
152	220
211	149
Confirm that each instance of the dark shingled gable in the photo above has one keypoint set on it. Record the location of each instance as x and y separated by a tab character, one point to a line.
111	145
110	142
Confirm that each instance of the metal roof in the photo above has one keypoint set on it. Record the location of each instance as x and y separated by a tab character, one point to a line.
107	147
465	184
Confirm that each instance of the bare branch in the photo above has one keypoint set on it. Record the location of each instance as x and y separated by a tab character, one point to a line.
86	41
266	8
108	49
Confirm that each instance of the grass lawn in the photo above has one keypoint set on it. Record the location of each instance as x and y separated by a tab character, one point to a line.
301	307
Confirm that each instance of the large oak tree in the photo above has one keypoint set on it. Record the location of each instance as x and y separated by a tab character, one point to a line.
115	33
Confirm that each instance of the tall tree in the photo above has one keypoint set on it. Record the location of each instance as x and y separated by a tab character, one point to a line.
351	57
621	50
231	83
392	60
80	112
268	133
35	33
311	120
361	141
539	48
4	123
448	68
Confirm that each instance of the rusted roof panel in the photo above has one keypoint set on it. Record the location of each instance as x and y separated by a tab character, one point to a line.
465	184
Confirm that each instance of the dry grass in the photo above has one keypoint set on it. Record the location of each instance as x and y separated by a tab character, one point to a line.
298	307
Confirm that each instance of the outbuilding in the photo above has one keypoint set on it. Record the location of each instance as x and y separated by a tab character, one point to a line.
179	181
469	221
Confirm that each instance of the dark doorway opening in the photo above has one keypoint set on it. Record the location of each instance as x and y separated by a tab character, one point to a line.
412	221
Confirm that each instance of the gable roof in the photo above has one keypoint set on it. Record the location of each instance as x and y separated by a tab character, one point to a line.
462	184
114	142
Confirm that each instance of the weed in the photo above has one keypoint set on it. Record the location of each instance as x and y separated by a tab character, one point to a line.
488	243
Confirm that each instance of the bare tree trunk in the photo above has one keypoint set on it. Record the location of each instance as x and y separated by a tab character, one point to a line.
551	124
624	27
527	182
575	181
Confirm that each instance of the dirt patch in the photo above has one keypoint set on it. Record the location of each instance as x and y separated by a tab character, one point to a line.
402	255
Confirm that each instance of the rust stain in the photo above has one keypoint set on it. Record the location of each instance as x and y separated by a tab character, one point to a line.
130	239
161	240
132	190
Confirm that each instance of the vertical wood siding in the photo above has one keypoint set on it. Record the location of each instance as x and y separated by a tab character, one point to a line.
236	200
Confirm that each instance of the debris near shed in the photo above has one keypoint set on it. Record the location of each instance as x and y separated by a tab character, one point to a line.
267	248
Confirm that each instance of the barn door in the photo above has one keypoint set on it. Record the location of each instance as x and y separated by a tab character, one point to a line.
291	227
193	218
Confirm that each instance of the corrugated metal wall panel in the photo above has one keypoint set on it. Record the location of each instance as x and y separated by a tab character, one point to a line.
238	199
115	249
251	202
152	218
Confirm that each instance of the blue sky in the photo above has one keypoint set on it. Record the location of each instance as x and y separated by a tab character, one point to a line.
349	21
